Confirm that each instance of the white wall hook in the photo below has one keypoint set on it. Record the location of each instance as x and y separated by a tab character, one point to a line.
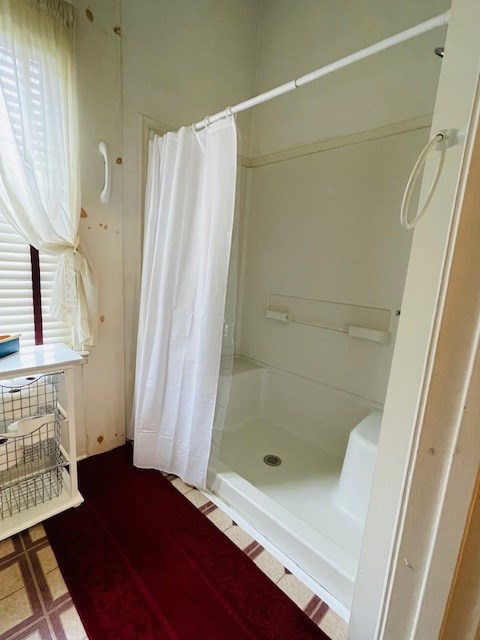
105	195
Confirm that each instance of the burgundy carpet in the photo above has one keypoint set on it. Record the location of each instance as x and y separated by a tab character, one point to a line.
142	563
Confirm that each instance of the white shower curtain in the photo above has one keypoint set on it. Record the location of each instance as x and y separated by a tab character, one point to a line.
188	230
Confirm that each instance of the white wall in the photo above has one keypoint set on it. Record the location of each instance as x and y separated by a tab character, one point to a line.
101	232
181	61
326	225
298	37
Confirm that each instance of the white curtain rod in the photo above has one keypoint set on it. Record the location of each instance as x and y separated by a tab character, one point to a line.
403	36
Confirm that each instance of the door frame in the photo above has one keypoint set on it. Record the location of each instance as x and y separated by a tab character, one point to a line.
429	450
445	456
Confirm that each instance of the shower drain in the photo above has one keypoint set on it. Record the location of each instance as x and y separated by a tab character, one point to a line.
272	460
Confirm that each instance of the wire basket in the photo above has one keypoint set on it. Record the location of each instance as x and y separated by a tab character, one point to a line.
30	396
30	466
31	461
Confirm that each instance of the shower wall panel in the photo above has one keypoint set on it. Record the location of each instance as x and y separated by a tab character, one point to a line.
326	226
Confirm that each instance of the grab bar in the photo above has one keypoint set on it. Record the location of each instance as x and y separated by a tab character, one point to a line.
364	333
105	194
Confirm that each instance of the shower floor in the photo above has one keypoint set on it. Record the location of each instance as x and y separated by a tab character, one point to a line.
304	483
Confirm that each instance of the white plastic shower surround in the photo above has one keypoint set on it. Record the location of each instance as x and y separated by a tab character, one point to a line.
299	506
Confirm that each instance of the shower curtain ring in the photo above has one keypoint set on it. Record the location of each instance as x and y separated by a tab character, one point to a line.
206	121
228	112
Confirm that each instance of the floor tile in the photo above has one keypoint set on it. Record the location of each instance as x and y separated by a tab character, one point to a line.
253	550
47	575
14	609
270	566
11	579
33	536
181	486
22	605
197	498
47	559
316	609
56	584
72	625
6	547
67	624
9	548
220	519
208	507
37	631
334	626
32	635
296	590
37	532
239	536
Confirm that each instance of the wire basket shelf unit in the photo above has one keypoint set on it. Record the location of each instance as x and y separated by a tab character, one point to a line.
31	458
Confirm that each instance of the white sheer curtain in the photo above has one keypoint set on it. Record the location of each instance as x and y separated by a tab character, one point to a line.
188	233
39	156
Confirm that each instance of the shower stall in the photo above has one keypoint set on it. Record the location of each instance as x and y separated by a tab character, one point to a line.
317	274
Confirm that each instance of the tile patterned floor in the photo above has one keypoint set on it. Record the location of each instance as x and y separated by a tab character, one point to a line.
34	600
35	603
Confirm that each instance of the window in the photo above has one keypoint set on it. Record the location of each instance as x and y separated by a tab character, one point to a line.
26	278
16	292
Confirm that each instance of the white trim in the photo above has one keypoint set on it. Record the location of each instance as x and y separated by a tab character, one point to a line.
414	448
442	533
337	142
150	126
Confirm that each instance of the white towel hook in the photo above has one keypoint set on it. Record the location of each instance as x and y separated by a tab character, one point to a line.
105	195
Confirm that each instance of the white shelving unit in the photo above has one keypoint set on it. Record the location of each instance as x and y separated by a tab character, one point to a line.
44	360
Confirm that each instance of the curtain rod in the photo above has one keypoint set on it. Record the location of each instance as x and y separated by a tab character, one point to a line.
403	36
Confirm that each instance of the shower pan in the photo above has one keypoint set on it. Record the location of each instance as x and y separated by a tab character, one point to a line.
311	502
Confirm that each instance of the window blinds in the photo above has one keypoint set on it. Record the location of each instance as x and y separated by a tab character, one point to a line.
16	298
16	295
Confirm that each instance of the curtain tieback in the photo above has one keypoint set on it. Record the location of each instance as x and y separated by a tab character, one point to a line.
70	263
75	298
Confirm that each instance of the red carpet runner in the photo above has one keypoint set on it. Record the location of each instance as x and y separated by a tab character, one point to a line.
142	563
